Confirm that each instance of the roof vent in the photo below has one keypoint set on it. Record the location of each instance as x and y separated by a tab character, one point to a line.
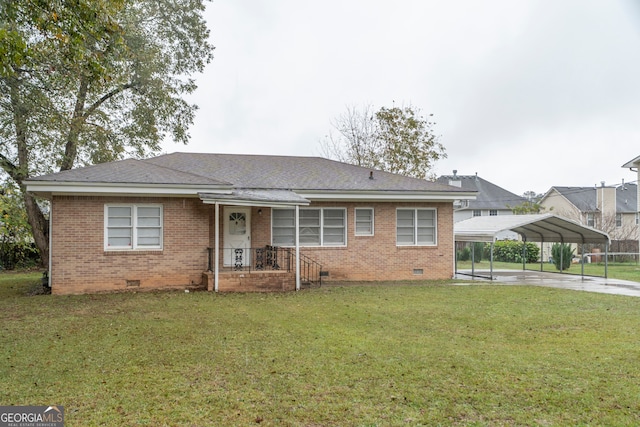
455	180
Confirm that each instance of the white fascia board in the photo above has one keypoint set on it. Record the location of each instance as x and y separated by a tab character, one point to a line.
262	204
386	196
121	189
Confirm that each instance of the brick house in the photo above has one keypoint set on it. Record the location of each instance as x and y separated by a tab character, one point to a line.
228	223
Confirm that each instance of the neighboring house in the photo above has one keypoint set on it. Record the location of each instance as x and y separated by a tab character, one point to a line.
490	200
631	165
228	223
610	209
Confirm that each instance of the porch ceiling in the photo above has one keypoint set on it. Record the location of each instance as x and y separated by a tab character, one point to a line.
534	228
256	197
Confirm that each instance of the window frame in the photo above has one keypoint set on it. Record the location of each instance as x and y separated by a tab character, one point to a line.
416	226
493	212
135	227
618	220
372	221
321	228
476	211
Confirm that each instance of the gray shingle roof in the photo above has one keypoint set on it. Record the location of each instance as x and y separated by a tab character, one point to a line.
129	171
247	171
584	198
627	198
489	196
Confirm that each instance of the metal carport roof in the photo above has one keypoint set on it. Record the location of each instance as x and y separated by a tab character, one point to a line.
533	228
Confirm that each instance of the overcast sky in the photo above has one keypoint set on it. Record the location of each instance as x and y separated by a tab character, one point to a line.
529	93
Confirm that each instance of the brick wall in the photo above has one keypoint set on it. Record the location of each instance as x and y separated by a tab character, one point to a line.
377	257
79	263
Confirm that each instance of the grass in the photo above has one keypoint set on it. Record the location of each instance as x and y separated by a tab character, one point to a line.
405	354
622	271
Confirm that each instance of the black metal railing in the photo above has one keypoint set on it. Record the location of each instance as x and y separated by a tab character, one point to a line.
310	271
265	258
268	258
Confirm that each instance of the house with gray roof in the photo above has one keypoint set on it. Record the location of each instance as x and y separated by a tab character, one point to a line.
491	200
229	222
612	209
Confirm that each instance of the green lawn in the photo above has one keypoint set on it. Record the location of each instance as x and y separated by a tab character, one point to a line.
404	354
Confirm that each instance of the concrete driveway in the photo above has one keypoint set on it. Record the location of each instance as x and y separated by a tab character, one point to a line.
556	280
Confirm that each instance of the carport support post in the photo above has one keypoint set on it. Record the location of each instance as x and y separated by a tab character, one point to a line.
491	260
524	254
473	260
582	257
561	252
606	259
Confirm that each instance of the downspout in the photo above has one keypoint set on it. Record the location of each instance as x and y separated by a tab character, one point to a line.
297	227
50	241
216	245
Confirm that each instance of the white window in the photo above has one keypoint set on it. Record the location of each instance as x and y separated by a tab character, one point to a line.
493	212
318	227
364	221
131	227
477	212
590	219
618	220
416	227
637	218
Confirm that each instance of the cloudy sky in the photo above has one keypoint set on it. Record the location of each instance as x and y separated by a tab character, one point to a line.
528	93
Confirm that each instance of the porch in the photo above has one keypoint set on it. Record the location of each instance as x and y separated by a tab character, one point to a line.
263	269
242	252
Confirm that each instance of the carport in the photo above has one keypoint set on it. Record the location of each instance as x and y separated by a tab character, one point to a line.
541	228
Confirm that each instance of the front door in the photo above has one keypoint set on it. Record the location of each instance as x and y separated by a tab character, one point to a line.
237	236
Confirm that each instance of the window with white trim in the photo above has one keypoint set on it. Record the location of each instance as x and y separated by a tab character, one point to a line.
132	227
364	221
318	227
493	212
477	212
590	219
618	220
416	227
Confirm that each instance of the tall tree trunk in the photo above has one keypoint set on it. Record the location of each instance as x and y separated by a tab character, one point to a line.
20	172
39	227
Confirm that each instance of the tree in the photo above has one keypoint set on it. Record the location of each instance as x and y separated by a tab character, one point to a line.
395	139
16	243
90	82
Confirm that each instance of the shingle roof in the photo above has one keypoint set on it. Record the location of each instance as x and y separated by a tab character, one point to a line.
627	198
248	171
129	171
489	196
584	198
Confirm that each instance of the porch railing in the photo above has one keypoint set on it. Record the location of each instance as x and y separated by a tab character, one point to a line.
269	258
265	258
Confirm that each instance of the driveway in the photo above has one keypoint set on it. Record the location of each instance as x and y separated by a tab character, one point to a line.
557	280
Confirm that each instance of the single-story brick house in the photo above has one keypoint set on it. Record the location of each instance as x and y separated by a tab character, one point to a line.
242	223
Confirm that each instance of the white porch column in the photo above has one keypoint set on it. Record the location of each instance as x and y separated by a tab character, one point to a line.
216	245
297	226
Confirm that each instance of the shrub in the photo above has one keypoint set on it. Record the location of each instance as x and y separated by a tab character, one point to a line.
464	254
562	251
511	251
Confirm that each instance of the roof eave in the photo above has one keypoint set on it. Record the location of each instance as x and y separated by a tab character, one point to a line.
47	189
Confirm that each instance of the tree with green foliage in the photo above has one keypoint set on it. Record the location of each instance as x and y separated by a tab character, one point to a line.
16	243
396	139
84	82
